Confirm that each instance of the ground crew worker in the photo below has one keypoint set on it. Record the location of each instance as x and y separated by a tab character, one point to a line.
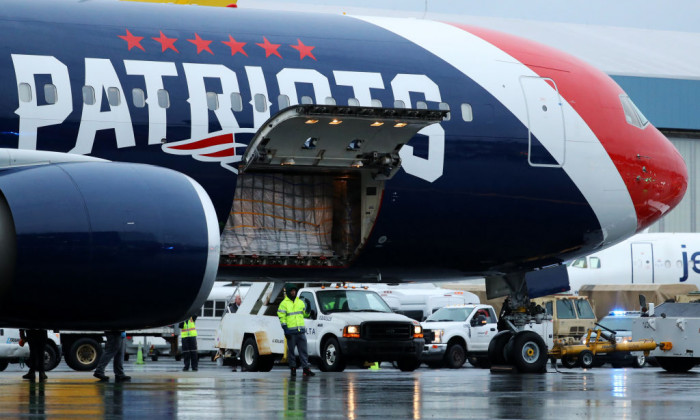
291	313
189	345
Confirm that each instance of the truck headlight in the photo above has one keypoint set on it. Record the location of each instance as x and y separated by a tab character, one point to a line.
438	336
351	331
417	331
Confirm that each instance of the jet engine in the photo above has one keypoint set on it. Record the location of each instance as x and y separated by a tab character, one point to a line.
135	245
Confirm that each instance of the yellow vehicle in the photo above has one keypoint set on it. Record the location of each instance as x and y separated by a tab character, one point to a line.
572	316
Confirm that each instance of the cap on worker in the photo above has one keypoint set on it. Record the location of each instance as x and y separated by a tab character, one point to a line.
289	286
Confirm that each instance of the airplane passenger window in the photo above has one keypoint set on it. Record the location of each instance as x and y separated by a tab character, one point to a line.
163	98
376	103
306	100
399	104
467	113
353	102
88	95
260	102
445	107
212	101
283	101
25	92
236	102
113	96
50	94
139	98
421	105
594	262
330	100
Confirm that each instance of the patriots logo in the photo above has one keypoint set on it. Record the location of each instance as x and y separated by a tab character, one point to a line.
220	147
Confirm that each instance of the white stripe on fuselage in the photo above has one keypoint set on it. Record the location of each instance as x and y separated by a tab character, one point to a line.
588	164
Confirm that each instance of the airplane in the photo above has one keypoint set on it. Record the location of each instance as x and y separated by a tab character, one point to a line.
148	148
645	258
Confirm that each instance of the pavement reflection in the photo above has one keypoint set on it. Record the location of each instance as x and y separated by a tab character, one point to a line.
163	391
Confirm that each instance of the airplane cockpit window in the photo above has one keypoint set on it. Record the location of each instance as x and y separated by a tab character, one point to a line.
353	102
633	115
50	94
376	103
580	263
114	96
260	102
306	100
330	100
139	98
236	102
594	262
163	98
88	95
212	101
25	92
467	114
445	107
421	105
283	101
399	104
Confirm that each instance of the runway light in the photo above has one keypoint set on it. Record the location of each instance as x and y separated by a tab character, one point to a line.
400	125
311	121
335	122
377	124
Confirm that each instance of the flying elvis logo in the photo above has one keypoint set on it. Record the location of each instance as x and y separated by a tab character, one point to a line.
225	145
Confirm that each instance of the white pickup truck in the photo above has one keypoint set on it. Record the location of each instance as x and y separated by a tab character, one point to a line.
456	333
12	352
345	325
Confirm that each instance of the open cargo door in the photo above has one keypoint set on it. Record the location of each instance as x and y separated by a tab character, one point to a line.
311	182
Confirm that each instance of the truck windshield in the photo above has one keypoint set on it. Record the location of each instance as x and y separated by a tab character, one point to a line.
332	301
450	314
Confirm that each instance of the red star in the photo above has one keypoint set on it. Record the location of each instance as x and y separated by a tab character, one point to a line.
304	50
236	47
201	44
167	43
269	48
133	41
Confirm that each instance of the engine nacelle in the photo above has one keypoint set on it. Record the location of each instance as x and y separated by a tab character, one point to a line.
102	245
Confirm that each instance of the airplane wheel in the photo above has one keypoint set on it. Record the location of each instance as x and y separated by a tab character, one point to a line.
528	352
497	348
586	359
676	364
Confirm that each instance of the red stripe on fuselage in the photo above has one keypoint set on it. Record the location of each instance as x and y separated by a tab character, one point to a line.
201	144
652	183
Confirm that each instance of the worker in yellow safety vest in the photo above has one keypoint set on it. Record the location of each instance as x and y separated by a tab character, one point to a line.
188	333
291	313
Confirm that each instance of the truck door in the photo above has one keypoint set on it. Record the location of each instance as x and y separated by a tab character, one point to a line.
642	263
481	333
311	323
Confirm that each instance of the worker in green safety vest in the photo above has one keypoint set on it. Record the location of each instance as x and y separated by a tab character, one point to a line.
291	313
188	333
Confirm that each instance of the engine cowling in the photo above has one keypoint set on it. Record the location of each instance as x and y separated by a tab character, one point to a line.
103	245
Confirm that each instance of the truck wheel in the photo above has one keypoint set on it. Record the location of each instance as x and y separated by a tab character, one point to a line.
585	359
331	356
497	348
408	364
639	361
455	356
3	365
84	354
266	363
676	364
569	362
250	358
528	352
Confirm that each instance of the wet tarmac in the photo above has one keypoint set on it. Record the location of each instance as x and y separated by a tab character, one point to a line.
161	390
